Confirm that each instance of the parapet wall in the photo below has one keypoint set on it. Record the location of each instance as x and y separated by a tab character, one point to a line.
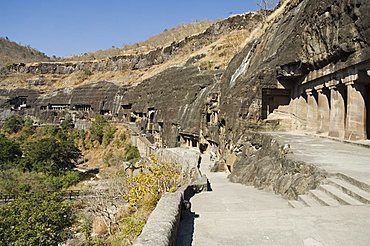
163	223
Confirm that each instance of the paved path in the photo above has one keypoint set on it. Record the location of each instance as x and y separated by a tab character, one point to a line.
234	214
333	156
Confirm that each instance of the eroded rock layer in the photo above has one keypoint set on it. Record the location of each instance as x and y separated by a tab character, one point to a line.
306	67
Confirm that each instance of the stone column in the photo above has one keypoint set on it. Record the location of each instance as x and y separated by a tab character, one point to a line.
311	111
301	113
323	111
356	109
337	111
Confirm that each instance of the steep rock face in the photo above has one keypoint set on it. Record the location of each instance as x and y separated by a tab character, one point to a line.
164	105
16	100
174	99
82	103
309	36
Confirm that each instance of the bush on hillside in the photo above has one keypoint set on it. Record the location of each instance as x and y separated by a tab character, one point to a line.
10	153
35	219
13	124
50	155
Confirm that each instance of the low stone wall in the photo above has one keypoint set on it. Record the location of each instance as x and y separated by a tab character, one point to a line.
162	225
264	163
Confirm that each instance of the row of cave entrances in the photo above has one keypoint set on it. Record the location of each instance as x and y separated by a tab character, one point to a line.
273	98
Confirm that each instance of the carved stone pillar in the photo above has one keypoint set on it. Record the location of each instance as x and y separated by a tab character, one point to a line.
356	109
311	111
301	113
337	111
323	111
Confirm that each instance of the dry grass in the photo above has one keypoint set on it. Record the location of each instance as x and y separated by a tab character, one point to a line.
11	52
163	39
217	56
261	29
220	53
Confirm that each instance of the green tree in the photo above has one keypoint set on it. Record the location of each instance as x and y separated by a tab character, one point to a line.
10	152
132	153
108	134
35	219
102	131
67	123
97	128
13	124
50	155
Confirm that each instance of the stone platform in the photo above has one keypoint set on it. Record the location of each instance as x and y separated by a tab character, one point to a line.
333	156
234	214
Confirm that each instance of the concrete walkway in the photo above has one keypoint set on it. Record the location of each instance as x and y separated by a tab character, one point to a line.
234	214
333	156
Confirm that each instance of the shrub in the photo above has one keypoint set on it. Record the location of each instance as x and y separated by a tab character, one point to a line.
108	134
154	179
10	152
97	128
13	124
50	155
87	72
132	153
35	219
67	123
14	181
63	181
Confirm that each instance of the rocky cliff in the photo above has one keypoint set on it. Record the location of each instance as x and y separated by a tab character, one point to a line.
141	61
307	40
300	42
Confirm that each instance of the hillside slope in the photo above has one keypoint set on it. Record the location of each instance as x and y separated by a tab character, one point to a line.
162	39
11	52
210	49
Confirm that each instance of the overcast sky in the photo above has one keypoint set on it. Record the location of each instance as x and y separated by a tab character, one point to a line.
69	27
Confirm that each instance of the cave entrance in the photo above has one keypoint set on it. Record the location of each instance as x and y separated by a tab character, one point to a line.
203	147
194	143
272	99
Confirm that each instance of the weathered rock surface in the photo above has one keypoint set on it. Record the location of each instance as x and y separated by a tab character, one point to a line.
263	164
310	35
308	39
141	61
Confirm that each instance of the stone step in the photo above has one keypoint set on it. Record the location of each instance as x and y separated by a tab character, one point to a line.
323	198
337	194
355	182
350	189
296	204
309	201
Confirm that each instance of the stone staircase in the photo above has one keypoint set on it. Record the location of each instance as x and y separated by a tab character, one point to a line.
338	190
